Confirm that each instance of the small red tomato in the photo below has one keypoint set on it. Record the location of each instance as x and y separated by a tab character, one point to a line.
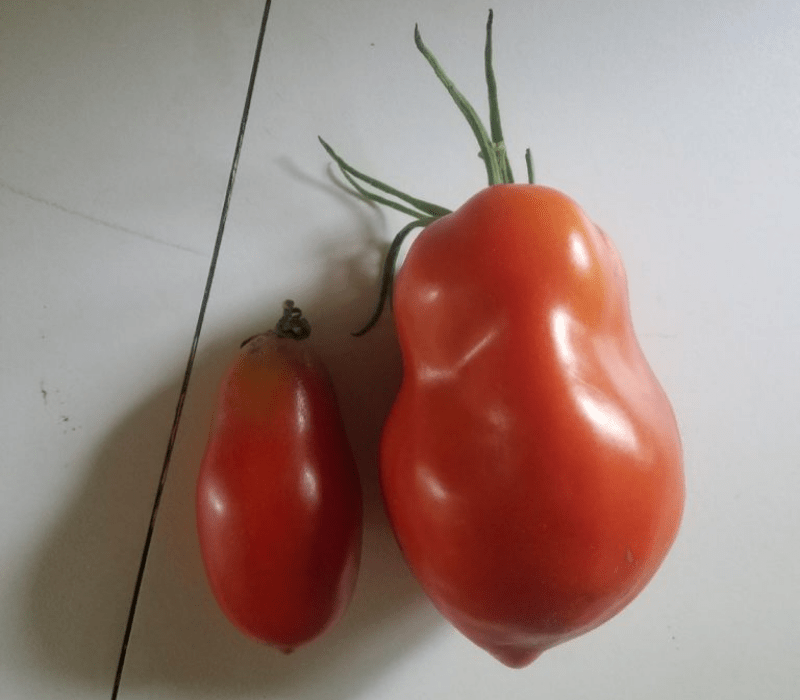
278	496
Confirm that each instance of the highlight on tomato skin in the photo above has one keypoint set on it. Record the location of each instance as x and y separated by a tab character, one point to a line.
531	465
279	511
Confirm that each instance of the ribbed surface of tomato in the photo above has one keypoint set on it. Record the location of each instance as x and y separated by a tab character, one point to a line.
531	465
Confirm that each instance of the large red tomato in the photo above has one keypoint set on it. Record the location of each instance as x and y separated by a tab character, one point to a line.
278	496
531	464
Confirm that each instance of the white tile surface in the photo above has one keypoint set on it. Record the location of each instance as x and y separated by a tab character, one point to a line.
674	124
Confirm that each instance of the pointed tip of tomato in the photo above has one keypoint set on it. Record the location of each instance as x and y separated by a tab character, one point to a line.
516	657
286	650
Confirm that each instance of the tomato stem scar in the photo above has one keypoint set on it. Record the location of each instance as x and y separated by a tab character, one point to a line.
292	324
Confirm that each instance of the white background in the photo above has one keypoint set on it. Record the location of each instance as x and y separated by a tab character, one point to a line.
674	124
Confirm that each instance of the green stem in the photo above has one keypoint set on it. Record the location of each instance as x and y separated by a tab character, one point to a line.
492	152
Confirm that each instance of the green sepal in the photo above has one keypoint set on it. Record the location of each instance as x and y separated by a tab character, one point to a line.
389	264
420	205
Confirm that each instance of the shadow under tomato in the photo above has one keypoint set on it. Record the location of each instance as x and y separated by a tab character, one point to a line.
76	594
181	638
80	588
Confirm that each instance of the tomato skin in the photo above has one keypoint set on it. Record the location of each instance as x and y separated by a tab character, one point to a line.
278	496
531	464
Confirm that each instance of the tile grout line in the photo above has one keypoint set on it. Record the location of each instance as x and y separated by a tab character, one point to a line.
192	354
93	219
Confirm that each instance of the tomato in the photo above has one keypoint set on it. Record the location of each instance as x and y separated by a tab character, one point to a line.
278	495
531	465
